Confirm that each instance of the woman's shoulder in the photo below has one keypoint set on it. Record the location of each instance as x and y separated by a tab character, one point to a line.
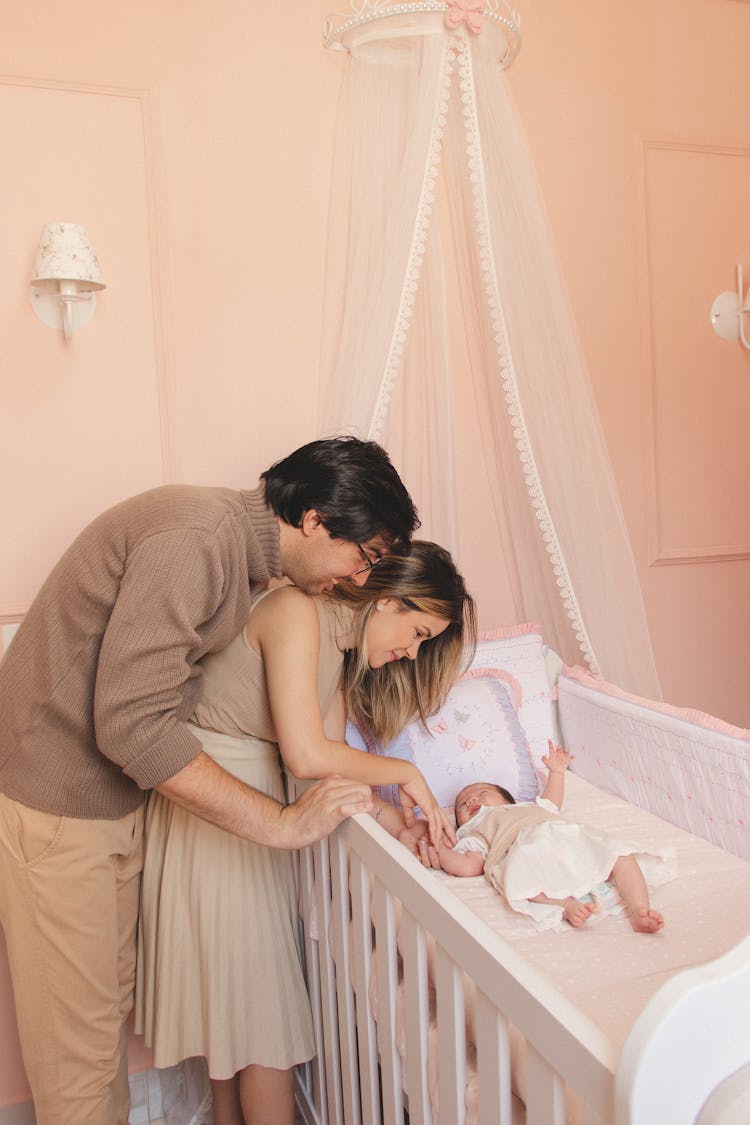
277	613
290	607
284	600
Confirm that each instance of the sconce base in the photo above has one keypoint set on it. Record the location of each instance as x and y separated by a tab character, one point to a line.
50	307
725	315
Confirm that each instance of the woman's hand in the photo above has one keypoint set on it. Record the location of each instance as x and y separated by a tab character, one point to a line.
412	837
417	840
416	791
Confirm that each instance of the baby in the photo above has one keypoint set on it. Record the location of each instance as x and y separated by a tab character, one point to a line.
544	866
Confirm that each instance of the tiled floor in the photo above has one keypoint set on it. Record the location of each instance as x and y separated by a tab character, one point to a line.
146	1100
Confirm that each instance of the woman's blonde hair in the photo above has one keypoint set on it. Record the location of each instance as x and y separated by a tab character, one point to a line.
386	699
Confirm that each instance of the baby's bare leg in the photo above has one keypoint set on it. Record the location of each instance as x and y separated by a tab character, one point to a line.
574	911
628	878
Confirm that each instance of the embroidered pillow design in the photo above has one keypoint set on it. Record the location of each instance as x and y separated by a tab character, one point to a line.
476	735
519	654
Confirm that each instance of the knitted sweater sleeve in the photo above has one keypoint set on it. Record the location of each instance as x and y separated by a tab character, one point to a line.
146	680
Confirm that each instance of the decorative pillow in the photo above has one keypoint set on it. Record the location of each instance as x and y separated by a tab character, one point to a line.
518	655
475	736
355	738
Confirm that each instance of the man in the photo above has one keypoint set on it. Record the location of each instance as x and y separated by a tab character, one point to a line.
95	691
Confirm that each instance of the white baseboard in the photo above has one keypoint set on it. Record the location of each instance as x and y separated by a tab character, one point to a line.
145	1099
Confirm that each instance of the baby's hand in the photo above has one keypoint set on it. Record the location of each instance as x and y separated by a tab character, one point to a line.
417	840
412	837
558	758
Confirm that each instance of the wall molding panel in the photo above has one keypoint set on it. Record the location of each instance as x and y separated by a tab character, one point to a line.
158	246
88	422
697	386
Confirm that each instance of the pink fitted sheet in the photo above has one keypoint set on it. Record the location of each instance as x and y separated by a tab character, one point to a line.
605	968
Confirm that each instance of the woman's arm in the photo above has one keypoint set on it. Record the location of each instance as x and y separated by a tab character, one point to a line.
391	819
286	630
334	721
387	815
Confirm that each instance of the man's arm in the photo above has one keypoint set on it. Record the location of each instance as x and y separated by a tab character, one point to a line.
172	585
210	792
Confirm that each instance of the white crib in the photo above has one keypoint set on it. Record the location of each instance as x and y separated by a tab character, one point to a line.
388	945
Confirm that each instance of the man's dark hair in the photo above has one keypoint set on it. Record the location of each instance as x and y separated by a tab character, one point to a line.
350	483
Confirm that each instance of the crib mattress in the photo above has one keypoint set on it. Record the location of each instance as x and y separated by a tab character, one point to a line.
604	968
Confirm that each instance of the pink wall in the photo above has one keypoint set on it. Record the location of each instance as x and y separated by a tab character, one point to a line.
196	149
637	117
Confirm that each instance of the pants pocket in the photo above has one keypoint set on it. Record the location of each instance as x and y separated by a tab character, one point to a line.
36	833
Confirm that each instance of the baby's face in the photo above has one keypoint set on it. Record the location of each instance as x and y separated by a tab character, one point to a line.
472	797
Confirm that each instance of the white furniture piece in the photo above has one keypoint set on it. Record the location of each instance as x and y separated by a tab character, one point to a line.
421	1006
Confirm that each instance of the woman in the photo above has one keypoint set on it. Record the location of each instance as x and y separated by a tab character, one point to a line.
219	970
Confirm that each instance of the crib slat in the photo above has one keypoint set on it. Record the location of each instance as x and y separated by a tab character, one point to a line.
387	979
340	924
313	1071
327	986
493	1064
545	1091
416	1019
449	989
359	883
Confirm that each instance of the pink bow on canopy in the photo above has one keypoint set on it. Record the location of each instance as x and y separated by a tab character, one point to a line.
469	11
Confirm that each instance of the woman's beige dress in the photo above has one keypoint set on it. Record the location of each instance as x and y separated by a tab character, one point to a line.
219	970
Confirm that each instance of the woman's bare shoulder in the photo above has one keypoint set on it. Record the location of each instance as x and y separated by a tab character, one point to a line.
282	612
285	602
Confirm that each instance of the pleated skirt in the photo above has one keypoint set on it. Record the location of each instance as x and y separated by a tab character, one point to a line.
219	967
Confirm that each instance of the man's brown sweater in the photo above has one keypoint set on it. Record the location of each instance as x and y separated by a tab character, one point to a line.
97	683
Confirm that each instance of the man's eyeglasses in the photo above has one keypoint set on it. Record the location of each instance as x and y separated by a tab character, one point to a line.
369	564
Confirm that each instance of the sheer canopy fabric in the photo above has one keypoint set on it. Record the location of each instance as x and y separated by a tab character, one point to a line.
442	281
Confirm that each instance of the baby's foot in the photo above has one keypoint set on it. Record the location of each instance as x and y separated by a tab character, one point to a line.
646	921
577	912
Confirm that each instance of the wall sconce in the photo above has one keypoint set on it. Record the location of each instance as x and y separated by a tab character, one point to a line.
66	273
728	313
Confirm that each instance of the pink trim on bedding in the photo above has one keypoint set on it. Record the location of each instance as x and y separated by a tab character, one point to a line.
499	674
510	631
689	714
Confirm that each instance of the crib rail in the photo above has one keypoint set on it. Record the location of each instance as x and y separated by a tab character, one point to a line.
395	947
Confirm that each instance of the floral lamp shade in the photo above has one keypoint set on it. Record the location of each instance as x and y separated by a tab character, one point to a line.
65	276
65	254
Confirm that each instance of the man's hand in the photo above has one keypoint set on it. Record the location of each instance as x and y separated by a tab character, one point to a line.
320	809
207	790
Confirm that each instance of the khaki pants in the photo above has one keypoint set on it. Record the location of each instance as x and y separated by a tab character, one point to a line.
69	906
